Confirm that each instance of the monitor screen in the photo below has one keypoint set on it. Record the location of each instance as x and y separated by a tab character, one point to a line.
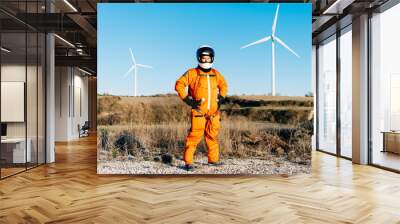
3	129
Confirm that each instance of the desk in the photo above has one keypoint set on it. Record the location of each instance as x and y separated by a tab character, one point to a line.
15	148
391	141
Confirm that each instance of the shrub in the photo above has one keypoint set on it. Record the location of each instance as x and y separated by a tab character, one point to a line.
149	127
104	139
126	142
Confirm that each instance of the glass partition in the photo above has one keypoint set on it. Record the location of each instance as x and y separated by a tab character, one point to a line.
13	103
22	77
385	89
327	95
346	92
33	57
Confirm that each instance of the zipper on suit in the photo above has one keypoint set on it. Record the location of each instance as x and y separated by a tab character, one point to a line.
208	92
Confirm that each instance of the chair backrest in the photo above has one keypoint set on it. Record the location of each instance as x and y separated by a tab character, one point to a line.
86	125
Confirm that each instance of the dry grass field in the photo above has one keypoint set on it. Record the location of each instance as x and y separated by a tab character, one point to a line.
259	135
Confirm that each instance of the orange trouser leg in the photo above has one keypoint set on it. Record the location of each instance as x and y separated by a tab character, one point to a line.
194	137
211	135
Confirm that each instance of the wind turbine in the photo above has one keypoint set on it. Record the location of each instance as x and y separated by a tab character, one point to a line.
273	38
135	67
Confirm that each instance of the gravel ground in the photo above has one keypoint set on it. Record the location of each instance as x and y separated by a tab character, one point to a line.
278	166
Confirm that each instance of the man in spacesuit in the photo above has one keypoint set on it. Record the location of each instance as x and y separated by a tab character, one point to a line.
207	90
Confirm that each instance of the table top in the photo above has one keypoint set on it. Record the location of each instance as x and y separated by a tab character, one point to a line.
13	140
391	132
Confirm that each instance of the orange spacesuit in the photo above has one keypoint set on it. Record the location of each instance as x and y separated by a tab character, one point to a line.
206	89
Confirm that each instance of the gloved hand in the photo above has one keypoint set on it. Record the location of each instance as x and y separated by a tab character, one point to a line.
221	100
191	102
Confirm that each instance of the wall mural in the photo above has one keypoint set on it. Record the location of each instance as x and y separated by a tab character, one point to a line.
196	88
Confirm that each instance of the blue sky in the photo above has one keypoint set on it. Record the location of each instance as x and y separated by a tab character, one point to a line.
166	37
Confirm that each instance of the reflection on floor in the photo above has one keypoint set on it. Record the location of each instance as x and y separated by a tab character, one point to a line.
387	159
10	169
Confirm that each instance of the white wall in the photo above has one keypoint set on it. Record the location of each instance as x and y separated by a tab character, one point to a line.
81	84
61	103
70	83
12	73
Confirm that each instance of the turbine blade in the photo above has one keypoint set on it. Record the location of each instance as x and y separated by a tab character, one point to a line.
275	20
133	57
287	47
265	39
143	66
127	73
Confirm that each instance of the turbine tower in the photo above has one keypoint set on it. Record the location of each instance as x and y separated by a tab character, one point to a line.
135	67
273	38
